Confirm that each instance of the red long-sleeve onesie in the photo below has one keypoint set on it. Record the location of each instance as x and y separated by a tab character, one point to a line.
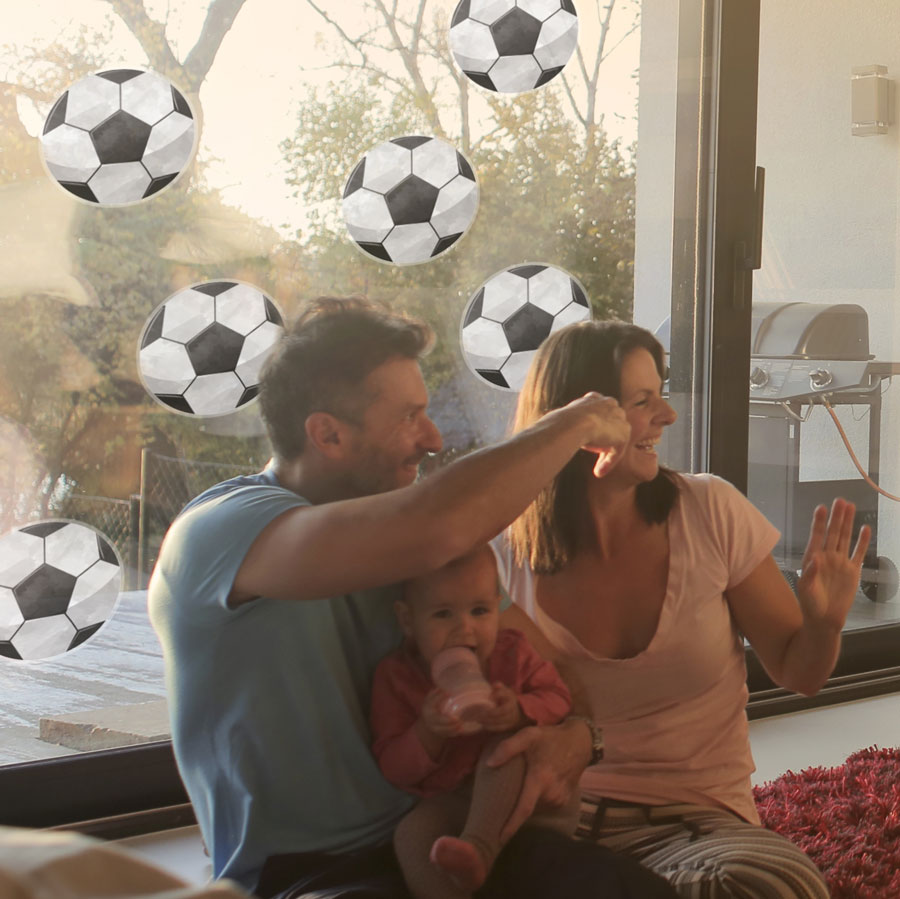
399	691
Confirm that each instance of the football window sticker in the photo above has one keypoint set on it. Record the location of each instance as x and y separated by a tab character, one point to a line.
512	314
201	350
117	137
410	199
59	583
513	45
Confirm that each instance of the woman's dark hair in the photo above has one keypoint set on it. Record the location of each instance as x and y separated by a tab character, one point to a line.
320	363
573	361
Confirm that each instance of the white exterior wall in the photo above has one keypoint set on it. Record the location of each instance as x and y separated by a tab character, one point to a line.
655	162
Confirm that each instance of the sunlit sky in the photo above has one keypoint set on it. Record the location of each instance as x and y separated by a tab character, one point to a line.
250	97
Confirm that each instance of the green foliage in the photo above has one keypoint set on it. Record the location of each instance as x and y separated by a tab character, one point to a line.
69	382
552	190
333	132
548	193
189	439
36	359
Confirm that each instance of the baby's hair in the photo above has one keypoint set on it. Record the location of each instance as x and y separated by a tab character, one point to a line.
415	586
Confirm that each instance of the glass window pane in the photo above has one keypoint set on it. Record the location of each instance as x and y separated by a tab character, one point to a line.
824	320
579	174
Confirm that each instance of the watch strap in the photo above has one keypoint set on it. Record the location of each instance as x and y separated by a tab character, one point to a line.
596	737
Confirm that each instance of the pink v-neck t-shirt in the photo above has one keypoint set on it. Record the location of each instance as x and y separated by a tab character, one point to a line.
673	716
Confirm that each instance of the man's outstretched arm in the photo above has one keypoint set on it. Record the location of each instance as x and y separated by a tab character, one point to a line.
325	550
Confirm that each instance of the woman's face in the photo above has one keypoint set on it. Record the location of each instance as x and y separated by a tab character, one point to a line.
647	413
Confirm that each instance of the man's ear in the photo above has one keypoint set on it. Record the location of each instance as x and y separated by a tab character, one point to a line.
326	433
404	616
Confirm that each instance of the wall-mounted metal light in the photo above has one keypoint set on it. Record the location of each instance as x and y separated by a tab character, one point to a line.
871	100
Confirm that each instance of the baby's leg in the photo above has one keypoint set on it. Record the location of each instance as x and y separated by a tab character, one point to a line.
414	837
469	858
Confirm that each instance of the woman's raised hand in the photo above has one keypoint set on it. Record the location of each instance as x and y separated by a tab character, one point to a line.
830	572
609	430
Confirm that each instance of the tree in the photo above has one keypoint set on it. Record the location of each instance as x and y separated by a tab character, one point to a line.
553	188
404	51
69	388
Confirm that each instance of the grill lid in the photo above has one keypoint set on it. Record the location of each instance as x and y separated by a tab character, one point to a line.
810	331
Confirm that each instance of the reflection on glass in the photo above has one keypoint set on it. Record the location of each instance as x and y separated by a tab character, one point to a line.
825	341
281	115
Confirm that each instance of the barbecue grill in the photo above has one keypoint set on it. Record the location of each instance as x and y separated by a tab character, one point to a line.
800	354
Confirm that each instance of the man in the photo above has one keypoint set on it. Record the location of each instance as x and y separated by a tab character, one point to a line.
270	645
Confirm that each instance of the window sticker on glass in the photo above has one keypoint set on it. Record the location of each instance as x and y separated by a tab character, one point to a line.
512	47
59	583
512	314
119	136
201	351
410	199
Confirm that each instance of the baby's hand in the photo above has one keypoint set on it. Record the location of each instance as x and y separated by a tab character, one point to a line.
506	714
435	719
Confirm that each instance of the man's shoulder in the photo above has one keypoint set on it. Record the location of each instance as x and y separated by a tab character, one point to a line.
260	479
227	517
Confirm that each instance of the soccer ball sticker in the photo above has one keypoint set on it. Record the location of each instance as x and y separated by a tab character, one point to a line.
202	349
513	45
59	583
118	137
410	199
511	315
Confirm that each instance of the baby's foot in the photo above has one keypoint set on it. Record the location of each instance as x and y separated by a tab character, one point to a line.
461	861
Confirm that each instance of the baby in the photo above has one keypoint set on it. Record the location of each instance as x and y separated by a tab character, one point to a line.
426	749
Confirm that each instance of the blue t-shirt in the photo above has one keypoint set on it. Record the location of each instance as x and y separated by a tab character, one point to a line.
269	701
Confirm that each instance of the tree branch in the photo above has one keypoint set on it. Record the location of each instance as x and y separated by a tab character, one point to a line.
591	110
621	40
572	102
424	99
346	37
150	34
219	18
401	83
581	64
417	27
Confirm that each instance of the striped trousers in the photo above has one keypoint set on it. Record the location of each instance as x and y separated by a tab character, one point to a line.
705	853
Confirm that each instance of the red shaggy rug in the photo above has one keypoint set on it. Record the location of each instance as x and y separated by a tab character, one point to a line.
847	819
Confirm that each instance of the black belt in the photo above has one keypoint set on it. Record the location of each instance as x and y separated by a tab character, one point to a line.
648	814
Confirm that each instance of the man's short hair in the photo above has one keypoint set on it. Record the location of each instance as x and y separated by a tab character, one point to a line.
320	363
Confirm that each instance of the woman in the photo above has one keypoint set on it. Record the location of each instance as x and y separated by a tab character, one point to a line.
642	582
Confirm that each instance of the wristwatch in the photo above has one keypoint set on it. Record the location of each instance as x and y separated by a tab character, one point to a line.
596	737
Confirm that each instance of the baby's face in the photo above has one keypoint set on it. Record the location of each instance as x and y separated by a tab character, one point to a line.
459	606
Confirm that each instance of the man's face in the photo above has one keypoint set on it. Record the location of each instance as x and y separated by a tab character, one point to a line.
395	433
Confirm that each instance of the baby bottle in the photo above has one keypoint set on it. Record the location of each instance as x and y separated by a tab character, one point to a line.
456	671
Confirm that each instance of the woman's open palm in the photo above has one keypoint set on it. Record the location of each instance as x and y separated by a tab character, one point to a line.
830	573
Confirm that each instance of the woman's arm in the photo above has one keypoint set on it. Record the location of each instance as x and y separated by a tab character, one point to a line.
555	755
797	638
